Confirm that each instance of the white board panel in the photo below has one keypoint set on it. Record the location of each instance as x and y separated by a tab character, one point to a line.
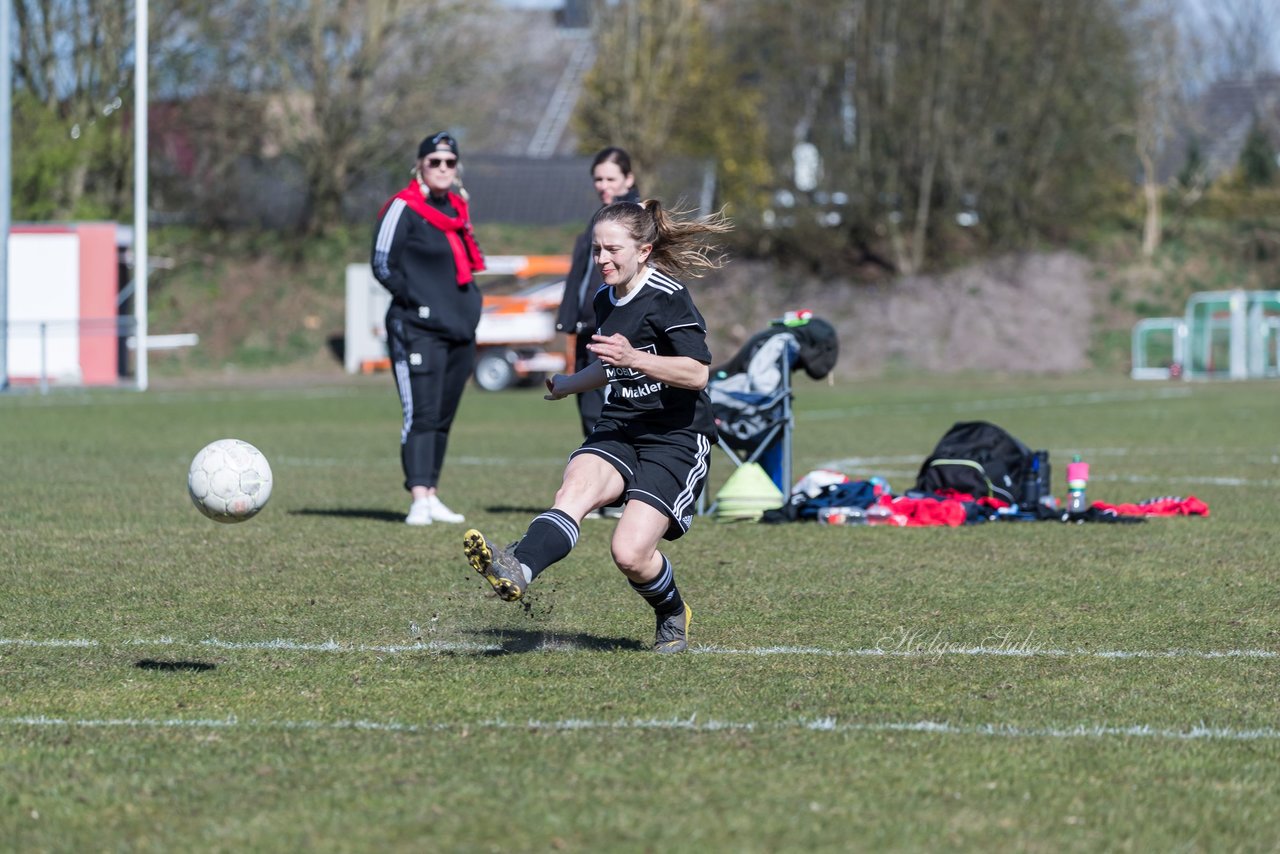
44	289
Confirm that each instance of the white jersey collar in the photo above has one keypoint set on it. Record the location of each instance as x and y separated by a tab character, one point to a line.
643	277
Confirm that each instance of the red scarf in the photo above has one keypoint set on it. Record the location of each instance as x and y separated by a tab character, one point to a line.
467	257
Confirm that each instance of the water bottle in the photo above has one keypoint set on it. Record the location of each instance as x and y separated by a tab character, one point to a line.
1033	482
1077	478
1037	488
880	514
842	516
1046	481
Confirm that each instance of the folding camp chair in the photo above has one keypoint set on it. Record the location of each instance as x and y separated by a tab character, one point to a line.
751	396
756	428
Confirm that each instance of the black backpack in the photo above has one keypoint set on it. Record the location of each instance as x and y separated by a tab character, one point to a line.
979	458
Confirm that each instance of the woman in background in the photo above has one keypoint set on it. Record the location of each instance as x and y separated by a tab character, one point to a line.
614	181
425	254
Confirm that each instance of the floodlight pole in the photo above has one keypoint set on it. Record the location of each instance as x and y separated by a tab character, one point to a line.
6	185
140	191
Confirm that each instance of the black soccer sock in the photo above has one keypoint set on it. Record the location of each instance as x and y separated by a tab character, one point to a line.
662	592
551	536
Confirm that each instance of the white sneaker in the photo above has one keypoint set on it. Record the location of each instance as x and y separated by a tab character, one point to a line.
440	513
419	512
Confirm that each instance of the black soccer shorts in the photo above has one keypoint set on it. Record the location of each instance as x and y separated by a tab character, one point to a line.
664	470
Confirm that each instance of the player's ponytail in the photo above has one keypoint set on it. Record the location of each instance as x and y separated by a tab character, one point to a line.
681	247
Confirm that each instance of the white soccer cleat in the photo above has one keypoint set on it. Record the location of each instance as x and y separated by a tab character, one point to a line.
440	513
419	513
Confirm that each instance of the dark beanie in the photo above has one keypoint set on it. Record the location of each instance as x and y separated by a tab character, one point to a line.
433	142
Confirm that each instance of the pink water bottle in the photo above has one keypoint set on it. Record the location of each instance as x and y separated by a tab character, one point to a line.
1077	479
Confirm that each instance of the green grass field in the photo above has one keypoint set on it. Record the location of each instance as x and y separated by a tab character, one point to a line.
325	678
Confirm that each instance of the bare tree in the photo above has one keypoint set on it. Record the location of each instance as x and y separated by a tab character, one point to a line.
206	115
947	122
344	75
937	124
1160	69
320	96
1242	37
667	85
327	91
645	58
71	59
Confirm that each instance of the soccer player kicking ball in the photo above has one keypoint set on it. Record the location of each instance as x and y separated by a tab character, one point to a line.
651	448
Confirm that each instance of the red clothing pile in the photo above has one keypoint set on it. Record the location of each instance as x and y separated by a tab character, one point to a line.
1166	506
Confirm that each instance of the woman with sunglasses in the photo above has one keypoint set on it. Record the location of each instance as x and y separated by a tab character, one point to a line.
425	254
651	446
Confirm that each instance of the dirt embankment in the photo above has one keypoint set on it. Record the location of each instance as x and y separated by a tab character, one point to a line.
1026	313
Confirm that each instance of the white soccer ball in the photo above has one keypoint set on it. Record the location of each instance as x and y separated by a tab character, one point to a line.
229	480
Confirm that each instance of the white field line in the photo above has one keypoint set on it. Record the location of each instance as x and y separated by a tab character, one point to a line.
833	725
894	474
932	649
1040	401
213	395
883	466
891	474
847	465
352	462
1255	456
510	461
67	398
1197	481
864	463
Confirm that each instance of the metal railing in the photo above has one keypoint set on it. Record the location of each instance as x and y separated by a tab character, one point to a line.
78	351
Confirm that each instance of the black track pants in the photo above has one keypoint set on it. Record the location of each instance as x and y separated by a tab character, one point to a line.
430	374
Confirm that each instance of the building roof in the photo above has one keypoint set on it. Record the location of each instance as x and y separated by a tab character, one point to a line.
543	191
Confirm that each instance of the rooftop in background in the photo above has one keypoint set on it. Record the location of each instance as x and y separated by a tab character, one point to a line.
557	190
544	191
569	13
548	5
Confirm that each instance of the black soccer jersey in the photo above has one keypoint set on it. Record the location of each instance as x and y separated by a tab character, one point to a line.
659	317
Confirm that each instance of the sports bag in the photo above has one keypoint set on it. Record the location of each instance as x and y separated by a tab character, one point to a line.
979	458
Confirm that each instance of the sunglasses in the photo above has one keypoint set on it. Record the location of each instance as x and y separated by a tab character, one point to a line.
447	162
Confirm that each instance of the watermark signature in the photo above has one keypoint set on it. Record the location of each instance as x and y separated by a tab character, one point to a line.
1004	641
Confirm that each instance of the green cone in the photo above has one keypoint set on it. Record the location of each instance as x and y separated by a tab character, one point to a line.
747	493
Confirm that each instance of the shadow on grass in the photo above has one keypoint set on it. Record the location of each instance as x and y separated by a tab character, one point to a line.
351	513
509	508
394	516
174	666
514	641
